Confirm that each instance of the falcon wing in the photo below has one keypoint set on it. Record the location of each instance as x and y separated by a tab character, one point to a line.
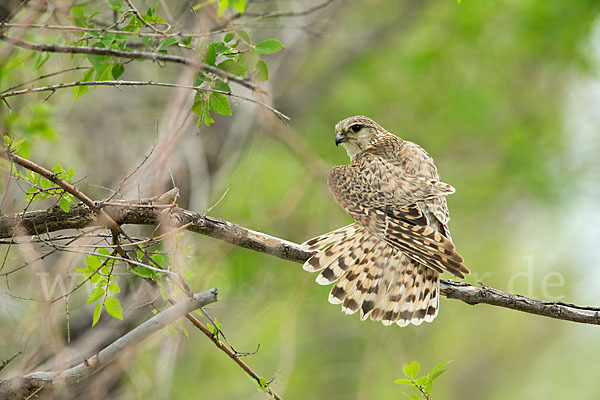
383	198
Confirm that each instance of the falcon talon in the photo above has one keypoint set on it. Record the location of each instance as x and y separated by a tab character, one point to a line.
386	264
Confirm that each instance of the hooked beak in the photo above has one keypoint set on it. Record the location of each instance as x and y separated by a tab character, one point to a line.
340	139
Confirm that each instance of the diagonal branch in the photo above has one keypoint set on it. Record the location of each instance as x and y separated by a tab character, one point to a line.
138	55
21	387
39	222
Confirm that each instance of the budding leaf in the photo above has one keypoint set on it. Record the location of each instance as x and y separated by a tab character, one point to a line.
411	370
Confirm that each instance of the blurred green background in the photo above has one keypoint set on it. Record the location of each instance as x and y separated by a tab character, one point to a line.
504	95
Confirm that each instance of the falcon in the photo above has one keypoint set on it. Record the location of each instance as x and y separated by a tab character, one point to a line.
387	264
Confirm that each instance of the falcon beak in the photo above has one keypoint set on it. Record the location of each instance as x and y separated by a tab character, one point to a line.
340	139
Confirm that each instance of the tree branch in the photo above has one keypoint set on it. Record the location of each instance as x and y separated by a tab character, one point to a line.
21	387
39	222
139	55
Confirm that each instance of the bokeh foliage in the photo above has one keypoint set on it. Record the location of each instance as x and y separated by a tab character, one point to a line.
483	86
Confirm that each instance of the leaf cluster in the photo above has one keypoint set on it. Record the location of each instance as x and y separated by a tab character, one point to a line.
424	384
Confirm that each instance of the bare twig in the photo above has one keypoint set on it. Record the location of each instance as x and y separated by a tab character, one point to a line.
4	363
138	55
278	14
44	77
68	28
142	20
119	83
231	353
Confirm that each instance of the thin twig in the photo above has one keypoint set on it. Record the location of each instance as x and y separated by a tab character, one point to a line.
279	14
68	28
142	20
44	77
119	83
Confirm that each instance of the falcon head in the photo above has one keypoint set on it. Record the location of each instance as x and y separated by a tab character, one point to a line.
356	134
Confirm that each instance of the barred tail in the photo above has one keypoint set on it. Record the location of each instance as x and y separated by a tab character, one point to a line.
372	276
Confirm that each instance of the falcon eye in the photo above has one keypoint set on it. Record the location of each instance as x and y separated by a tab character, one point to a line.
356	127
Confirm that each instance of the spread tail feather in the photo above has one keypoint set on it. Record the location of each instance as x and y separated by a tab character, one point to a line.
374	277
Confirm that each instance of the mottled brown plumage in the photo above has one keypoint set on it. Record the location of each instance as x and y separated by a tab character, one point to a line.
387	264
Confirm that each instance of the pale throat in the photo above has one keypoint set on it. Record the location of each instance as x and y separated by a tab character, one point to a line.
355	147
352	149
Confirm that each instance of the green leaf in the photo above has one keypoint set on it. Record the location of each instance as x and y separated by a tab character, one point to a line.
198	105
262	72
268	46
89	18
105	270
411	370
210	57
41	59
223	4
113	307
248	59
45	183
170	41
79	91
208	119
64	205
435	375
244	36
117	70
93	262
97	311
439	366
76	12
114	287
115	4
78	16
95	59
229	37
222	86
238	5
103	73
428	386
103	251
212	329
403	382
96	295
143	272
33	177
200	78
70	174
148	41
158	258
233	67
30	193
219	104
421	381
58	169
